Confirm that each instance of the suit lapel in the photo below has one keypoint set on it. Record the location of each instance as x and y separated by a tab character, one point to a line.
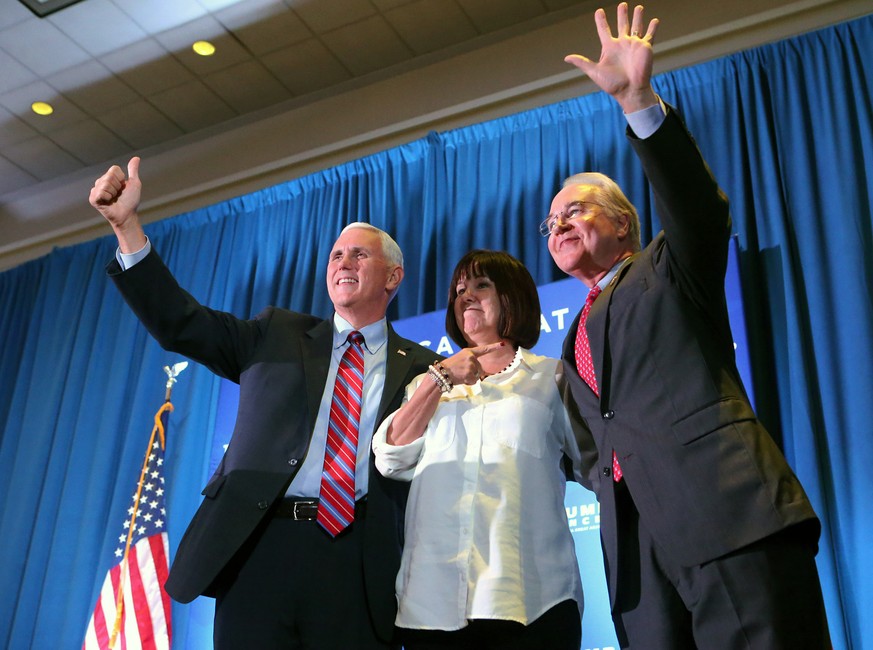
569	351
316	353
597	325
581	390
398	363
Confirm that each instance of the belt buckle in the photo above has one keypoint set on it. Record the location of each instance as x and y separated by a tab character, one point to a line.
297	516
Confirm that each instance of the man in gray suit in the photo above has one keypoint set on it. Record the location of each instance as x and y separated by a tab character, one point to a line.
258	543
709	539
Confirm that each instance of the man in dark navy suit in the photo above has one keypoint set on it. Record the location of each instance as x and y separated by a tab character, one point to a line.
279	579
709	539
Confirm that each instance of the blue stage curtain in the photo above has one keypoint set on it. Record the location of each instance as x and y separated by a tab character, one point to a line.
788	130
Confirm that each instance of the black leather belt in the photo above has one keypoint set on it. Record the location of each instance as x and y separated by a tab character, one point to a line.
297	509
300	509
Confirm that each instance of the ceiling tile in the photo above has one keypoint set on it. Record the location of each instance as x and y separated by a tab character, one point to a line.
14	74
140	124
147	67
41	158
430	25
90	142
385	5
326	15
306	67
247	87
129	58
489	16
42	47
117	29
18	103
13	12
93	88
12	177
383	47
156	16
218	5
182	36
228	51
264	25
563	4
13	130
192	106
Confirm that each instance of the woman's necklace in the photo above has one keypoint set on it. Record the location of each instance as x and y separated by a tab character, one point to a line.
483	375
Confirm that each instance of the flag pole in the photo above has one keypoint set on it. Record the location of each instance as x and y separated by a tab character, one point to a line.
158	429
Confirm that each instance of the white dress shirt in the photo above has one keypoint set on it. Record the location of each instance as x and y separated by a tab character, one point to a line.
486	530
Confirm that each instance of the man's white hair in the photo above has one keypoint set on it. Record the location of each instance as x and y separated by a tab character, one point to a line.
390	250
612	199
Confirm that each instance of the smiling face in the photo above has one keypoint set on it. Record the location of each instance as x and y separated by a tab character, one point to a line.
492	289
477	310
360	280
589	244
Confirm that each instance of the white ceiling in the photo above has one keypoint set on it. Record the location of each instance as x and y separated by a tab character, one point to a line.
122	76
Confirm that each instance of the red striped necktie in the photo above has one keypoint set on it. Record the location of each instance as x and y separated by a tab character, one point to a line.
336	507
585	364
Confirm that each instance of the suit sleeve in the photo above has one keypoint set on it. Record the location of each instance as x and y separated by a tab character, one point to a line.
179	323
694	211
581	465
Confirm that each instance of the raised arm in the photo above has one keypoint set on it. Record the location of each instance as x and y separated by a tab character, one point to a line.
624	69
117	198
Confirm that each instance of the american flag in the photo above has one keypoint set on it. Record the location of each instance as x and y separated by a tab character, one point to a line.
133	610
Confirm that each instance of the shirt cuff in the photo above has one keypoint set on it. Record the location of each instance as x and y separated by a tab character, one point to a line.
127	260
645	122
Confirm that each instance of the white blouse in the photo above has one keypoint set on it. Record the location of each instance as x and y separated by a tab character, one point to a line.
486	530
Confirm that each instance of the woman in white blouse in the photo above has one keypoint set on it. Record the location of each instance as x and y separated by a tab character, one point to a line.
489	561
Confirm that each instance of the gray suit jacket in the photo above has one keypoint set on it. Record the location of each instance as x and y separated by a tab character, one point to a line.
704	474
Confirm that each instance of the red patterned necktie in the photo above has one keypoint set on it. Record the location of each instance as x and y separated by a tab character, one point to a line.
336	507
585	365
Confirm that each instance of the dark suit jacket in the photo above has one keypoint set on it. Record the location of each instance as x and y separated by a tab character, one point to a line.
704	474
280	360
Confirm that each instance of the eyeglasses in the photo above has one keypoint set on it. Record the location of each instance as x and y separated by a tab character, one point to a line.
575	210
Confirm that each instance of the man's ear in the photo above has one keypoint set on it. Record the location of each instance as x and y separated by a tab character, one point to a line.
622	225
395	277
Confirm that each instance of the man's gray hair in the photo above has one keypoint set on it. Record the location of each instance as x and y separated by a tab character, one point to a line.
612	200
390	250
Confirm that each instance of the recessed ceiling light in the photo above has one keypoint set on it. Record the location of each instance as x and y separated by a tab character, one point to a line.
42	108
204	48
43	8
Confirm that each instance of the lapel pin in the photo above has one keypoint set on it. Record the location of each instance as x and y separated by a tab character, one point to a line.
403	352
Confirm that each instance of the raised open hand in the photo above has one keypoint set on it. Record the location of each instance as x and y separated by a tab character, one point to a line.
624	69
